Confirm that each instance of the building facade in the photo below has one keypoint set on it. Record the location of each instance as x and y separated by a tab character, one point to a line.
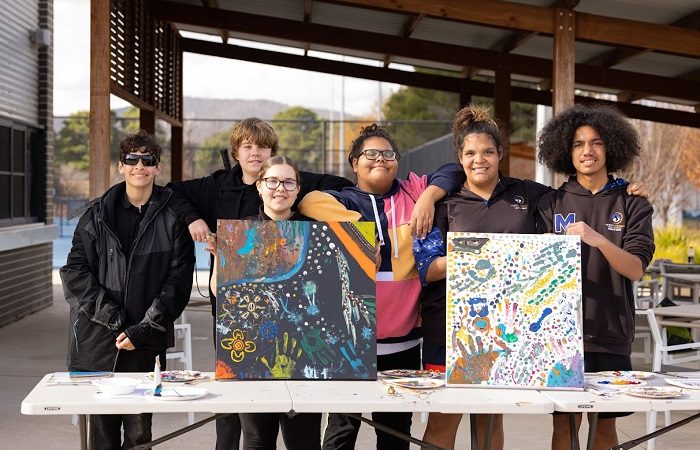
26	155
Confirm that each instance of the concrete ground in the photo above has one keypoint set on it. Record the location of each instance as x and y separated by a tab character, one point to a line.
36	345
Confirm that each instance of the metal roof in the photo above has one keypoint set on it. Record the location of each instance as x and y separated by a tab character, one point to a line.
403	21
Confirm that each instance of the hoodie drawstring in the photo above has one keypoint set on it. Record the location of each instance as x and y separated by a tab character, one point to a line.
376	219
393	228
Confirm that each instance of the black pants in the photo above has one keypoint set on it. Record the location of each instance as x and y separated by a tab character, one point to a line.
228	429
106	429
341	433
228	433
300	432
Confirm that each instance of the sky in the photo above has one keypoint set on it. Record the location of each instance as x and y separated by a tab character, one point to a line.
205	76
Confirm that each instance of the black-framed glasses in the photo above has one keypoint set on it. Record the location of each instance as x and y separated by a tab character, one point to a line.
274	183
132	159
372	154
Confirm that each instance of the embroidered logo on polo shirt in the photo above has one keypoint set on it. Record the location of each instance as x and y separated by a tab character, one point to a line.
519	202
561	222
617	221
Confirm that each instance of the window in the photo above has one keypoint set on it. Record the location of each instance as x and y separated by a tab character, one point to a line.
15	174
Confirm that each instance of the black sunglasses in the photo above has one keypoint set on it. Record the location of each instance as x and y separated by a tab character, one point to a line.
147	160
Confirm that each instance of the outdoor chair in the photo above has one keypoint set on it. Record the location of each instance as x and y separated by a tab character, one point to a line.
664	354
672	287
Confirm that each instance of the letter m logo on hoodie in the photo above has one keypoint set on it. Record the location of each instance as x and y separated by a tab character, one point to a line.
561	222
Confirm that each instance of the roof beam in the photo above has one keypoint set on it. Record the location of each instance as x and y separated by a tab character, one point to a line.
215	4
408	28
518	38
423	80
619	55
540	19
418	49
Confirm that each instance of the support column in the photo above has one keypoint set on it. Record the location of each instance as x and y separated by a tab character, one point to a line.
465	98
502	110
176	153
564	60
99	136
147	120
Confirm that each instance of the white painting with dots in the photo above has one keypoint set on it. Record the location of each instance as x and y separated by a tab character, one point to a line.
514	316
295	300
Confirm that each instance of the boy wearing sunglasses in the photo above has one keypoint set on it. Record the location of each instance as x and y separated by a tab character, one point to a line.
127	278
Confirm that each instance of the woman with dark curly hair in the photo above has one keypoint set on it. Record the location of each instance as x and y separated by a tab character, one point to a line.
590	143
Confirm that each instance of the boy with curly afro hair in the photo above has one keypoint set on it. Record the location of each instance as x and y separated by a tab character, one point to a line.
589	143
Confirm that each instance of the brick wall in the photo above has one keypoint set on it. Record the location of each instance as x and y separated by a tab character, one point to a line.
25	285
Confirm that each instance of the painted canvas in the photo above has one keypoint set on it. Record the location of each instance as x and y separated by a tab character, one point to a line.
514	314
295	300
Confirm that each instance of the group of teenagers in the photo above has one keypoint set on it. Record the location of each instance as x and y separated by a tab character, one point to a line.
129	272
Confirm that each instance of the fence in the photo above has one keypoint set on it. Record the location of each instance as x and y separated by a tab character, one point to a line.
317	146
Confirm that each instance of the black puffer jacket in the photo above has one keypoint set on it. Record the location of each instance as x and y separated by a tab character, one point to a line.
108	294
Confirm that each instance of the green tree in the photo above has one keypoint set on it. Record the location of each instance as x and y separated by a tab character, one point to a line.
71	143
206	157
431	110
300	135
436	109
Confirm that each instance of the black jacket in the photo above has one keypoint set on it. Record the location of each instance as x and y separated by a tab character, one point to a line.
108	294
224	195
512	208
608	301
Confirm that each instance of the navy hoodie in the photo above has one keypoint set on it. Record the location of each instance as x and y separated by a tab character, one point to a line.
608	301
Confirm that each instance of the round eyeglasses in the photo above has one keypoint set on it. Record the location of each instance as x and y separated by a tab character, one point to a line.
372	154
274	183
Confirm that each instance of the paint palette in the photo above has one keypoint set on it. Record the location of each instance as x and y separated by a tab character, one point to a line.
636	374
688	383
416	383
179	376
406	373
655	392
617	382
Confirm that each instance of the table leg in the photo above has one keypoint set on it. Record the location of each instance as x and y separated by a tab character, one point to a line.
473	432
592	429
635	442
83	430
389	430
573	432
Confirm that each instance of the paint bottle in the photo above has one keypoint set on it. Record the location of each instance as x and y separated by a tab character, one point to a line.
691	255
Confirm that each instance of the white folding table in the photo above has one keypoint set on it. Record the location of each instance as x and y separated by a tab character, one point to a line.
573	402
226	397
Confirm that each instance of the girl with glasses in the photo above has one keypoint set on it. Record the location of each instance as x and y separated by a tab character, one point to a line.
278	186
389	202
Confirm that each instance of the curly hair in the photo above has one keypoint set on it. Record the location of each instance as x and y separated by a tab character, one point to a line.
140	141
367	132
474	119
557	137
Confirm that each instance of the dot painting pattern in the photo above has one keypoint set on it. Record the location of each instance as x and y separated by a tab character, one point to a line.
295	300
514	314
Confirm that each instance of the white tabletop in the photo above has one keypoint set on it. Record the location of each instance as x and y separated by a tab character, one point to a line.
572	401
223	396
374	396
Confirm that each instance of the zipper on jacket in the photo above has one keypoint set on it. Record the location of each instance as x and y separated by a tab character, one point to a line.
133	246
